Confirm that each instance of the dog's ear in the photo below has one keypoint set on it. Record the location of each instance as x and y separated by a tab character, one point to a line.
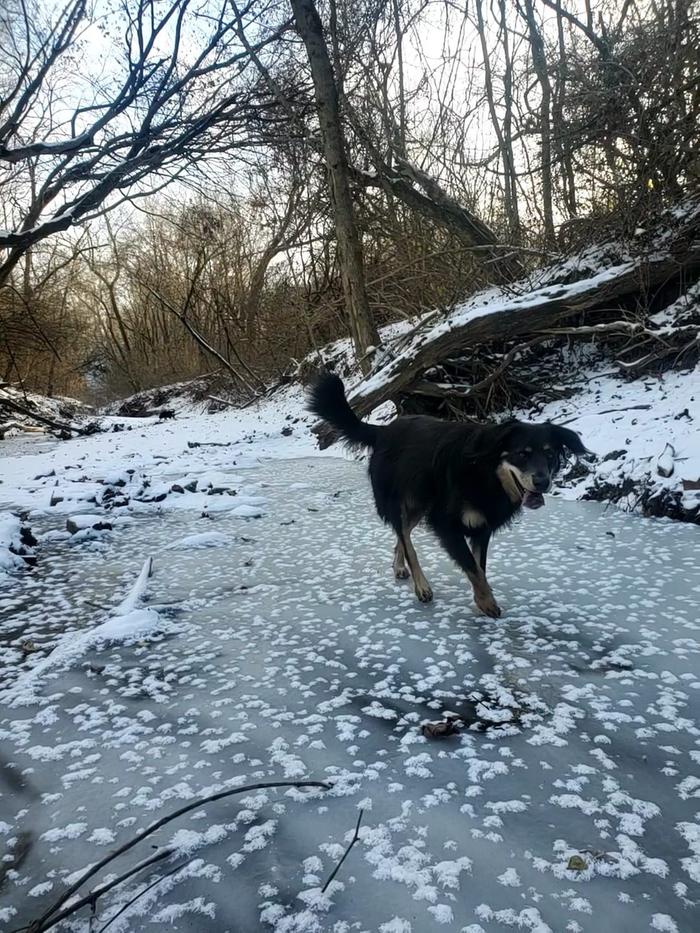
568	439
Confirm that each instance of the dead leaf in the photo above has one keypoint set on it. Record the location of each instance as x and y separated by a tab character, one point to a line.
577	863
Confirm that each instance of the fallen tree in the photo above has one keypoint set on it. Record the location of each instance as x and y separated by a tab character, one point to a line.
608	291
23	411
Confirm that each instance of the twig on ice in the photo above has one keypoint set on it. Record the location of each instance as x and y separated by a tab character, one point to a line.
92	896
345	854
141	893
48	920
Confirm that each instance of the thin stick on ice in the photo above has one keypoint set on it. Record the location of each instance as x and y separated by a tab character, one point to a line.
346	853
144	891
50	918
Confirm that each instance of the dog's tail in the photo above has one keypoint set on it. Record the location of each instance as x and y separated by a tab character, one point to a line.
327	400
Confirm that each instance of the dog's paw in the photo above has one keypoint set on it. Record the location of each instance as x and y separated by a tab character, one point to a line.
402	574
424	593
489	606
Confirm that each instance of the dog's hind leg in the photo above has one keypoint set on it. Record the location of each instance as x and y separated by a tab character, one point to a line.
400	569
451	535
420	584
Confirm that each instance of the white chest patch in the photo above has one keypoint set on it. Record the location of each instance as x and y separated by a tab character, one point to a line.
472	518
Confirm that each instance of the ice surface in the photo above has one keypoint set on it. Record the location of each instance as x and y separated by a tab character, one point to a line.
570	801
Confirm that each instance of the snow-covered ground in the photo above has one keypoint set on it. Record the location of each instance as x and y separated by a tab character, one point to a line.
272	643
646	437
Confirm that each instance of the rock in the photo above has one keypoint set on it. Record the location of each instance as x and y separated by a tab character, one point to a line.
614	455
77	523
18	539
27	537
157	497
114	499
156	493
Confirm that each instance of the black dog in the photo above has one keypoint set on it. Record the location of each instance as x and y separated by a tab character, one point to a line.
465	480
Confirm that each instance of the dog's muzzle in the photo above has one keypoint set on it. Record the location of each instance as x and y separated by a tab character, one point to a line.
532	499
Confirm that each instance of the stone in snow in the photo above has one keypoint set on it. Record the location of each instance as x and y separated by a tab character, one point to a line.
77	523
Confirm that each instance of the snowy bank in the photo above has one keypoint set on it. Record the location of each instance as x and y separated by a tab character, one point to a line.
646	437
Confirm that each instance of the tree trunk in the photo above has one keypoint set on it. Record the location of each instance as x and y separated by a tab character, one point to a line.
564	154
539	61
505	146
362	327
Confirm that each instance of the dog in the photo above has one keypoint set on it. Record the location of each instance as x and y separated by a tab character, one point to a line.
464	480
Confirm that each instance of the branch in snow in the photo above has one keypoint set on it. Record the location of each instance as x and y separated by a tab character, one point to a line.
51	917
608	411
91	898
346	853
140	894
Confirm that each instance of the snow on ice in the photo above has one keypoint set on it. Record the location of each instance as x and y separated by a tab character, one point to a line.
239	624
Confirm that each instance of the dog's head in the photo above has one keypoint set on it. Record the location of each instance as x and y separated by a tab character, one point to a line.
530	455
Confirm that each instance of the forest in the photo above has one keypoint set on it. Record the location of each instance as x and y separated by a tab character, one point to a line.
206	187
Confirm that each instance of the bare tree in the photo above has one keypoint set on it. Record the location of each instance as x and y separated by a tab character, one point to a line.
502	128
156	113
539	62
362	328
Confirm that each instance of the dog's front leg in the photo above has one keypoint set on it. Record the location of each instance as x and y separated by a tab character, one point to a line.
479	545
451	536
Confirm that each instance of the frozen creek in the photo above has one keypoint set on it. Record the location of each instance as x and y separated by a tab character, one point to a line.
285	650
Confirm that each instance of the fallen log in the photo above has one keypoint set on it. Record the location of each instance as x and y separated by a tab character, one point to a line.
61	426
500	315
18	426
